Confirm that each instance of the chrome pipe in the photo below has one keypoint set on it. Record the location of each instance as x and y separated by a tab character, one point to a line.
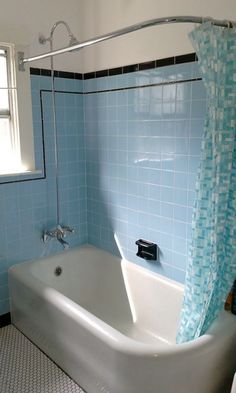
54	117
127	30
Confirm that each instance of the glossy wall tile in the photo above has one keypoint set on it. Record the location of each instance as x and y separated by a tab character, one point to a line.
129	150
27	208
142	153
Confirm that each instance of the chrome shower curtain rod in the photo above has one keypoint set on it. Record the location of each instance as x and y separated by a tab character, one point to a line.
138	26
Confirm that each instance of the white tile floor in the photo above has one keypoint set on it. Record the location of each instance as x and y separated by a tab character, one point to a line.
25	369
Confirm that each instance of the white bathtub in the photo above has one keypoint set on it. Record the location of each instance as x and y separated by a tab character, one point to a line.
111	326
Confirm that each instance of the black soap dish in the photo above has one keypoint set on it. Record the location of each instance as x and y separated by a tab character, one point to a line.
147	250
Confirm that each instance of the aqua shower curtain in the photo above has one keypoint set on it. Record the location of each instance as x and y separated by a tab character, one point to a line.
212	263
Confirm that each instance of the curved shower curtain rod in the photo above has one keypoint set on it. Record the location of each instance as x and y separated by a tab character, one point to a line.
138	26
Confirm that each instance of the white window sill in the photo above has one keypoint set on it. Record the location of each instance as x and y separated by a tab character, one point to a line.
23	173
21	176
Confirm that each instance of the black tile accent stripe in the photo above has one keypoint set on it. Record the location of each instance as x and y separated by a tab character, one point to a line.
189	57
130	68
5	320
45	72
89	75
115	71
102	73
147	65
34	71
185	58
165	62
57	74
143	86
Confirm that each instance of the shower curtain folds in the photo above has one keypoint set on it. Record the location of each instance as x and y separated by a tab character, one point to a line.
212	263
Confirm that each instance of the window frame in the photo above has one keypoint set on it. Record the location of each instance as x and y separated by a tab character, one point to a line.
20	110
12	114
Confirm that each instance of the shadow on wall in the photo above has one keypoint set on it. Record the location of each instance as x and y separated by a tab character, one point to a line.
100	226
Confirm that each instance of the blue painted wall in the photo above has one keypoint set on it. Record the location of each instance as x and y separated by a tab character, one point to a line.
27	208
142	155
128	160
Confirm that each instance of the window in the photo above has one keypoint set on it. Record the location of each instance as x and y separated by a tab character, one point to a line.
16	127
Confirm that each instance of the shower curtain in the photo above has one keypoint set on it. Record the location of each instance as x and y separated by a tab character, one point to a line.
212	263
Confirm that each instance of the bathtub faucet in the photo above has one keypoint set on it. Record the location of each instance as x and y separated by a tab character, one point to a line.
59	233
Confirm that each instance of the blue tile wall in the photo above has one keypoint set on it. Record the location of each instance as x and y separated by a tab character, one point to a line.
128	161
142	156
27	208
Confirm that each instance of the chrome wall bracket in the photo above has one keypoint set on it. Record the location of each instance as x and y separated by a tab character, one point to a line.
20	59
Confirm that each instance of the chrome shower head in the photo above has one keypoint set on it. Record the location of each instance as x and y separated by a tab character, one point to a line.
72	39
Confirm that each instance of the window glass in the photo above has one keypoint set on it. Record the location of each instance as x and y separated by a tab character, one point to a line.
4	101
16	127
7	161
3	70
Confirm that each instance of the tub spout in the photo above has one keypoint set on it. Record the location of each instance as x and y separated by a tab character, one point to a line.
58	233
63	242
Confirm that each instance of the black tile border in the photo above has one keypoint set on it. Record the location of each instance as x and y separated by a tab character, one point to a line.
57	74
5	320
115	71
89	75
143	86
187	58
166	62
147	65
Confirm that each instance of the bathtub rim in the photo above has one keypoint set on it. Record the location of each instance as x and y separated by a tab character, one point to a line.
103	330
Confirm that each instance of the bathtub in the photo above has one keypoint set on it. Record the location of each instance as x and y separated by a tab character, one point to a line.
111	326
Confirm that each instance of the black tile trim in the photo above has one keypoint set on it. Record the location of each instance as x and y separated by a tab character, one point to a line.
45	72
89	75
165	62
5	320
57	74
101	74
186	58
61	91
34	71
143	86
64	74
130	68
115	71
189	57
147	65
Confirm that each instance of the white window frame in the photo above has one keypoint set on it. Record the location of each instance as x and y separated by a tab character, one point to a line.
20	107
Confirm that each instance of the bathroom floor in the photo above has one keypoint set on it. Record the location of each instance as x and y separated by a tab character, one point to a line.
25	369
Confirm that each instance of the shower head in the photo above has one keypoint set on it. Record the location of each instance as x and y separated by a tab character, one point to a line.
72	39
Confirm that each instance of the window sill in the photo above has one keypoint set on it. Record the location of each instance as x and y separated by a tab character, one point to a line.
21	176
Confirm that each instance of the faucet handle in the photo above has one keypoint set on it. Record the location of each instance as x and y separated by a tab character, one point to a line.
66	228
59	229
